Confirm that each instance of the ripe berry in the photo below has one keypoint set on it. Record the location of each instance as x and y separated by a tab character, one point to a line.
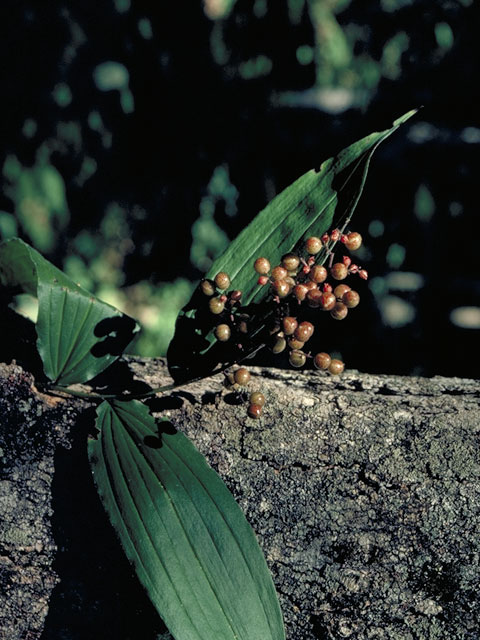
336	367
289	325
242	376
350	299
353	241
222	280
297	358
222	332
327	301
313	245
295	343
279	345
339	311
235	295
314	298
262	266
300	292
207	287
279	273
257	398
318	274
304	331
339	271
281	288
216	305
322	361
340	290
254	411
290	262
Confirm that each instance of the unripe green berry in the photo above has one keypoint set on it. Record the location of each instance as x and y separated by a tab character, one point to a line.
339	311
351	299
257	398
297	358
304	331
313	245
216	305
318	273
336	367
279	345
295	343
290	262
322	361
254	411
207	287
289	325
242	376
262	266
339	271
223	332
222	280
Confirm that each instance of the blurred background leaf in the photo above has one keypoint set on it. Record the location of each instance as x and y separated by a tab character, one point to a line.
139	137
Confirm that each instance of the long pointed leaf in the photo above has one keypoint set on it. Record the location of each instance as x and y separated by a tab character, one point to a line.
309	206
78	335
191	546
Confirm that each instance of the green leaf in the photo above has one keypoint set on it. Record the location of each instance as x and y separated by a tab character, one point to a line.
310	206
78	335
188	540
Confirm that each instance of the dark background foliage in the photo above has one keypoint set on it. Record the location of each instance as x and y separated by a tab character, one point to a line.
138	137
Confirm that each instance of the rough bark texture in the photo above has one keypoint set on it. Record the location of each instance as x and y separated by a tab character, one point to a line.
364	492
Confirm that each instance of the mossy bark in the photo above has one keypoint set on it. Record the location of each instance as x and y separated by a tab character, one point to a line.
364	492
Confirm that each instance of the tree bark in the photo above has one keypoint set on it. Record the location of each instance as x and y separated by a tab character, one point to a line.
364	492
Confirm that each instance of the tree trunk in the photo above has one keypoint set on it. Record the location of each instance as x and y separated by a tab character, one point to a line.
364	492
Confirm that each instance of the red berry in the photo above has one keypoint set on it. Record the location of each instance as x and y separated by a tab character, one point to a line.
235	295
222	280
313	245
304	331
314	298
340	290
327	301
262	266
300	292
263	280
318	274
242	376
354	241
223	332
254	411
290	262
289	325
281	288
336	367
350	299
339	271
339	311
322	361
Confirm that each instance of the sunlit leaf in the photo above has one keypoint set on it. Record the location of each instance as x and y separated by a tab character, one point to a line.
311	205
188	540
78	335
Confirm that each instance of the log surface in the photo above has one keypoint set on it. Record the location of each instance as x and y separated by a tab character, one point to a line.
364	492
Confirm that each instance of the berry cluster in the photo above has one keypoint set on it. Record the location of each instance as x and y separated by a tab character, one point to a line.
298	280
